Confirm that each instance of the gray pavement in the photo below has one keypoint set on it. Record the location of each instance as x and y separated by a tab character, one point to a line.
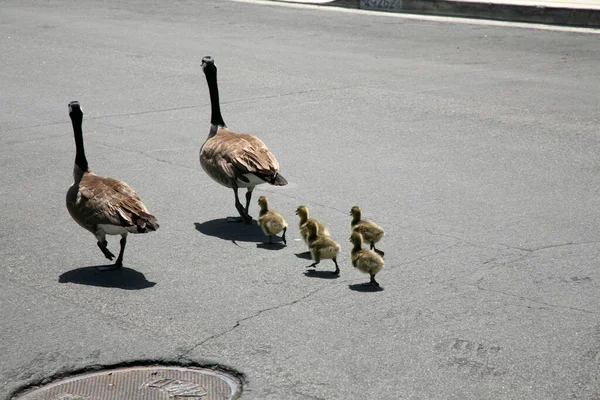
475	146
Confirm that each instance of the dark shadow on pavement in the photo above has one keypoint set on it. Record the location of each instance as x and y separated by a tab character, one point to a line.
311	273
271	246
364	287
304	256
232	231
122	278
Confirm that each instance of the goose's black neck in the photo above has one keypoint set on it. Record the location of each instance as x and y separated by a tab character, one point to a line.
215	114
80	159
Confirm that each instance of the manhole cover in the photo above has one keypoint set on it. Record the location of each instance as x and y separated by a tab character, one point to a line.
140	383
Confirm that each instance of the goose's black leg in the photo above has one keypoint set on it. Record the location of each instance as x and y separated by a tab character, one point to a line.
244	217
283	236
248	197
102	244
119	263
337	269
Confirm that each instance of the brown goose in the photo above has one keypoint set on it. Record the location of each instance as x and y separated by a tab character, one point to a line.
270	221
370	231
321	247
364	260
103	206
235	160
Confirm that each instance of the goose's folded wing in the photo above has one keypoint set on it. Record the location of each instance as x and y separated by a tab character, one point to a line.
110	201
237	154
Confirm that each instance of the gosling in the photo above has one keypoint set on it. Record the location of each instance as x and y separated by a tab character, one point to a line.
364	260
302	212
271	222
370	231
321	247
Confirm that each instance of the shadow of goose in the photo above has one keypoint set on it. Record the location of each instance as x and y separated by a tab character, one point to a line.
365	288
122	278
231	231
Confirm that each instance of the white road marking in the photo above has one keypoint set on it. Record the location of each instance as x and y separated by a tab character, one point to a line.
435	18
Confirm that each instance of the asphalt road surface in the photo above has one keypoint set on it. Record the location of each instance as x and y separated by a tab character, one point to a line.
475	146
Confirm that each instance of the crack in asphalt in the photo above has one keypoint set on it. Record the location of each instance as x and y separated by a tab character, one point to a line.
31	140
524	298
239	322
425	256
550	246
171	109
142	153
530	251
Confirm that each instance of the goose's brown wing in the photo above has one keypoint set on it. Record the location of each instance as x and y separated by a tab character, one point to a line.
111	201
230	155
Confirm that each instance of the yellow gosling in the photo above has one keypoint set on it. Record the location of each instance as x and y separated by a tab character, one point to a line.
302	212
321	247
370	231
271	222
364	260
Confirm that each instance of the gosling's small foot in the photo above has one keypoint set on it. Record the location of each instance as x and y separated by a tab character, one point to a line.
373	281
337	268
381	253
235	219
312	266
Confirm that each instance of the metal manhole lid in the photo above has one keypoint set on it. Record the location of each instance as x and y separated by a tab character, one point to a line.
140	383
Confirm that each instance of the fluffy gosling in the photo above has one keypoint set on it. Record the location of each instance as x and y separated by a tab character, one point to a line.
364	260
321	247
302	212
271	222
370	231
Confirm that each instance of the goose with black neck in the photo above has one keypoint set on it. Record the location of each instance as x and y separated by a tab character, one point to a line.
235	160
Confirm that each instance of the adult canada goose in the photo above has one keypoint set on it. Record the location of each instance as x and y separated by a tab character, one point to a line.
302	212
321	247
364	260
232	159
370	231
103	206
271	222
